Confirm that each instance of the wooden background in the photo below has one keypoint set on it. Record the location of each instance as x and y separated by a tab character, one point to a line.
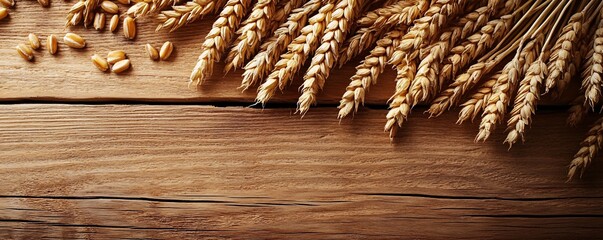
91	155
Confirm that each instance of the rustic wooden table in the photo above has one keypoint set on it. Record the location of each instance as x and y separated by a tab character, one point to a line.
85	154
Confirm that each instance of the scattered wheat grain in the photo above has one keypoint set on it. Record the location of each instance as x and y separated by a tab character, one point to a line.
152	52
113	23
100	62
115	56
129	26
121	66
51	44
34	41
25	52
166	50
99	21
74	41
109	7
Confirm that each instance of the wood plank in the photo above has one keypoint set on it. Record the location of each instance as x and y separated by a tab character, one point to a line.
71	76
188	172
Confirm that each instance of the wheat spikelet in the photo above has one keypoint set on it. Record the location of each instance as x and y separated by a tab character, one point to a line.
181	15
593	76
298	51
82	10
403	12
577	111
282	10
368	72
589	148
218	38
505	85
327	53
144	8
477	101
473	47
400	105
259	67
561	54
250	34
525	101
89	11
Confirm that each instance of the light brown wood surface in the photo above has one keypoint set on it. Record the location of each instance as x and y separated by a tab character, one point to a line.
136	171
185	172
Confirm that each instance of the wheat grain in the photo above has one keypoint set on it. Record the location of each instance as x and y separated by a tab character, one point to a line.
477	101
181	15
259	67
7	3
166	50
100	62
124	2
139	9
250	34
25	52
152	52
99	21
34	41
115	56
218	39
129	26
121	66
74	41
113	23
52	44
74	15
298	51
589	148
400	105
327	53
3	13
368	72
109	7
561	53
404	11
89	11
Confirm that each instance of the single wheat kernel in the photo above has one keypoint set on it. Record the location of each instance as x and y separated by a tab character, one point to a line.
109	7
166	50
129	26
3	13
152	52
7	3
51	44
115	56
99	21
74	41
100	62
25	52
34	41
121	66
113	23
124	2
44	3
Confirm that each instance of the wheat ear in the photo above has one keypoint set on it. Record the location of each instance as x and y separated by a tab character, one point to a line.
218	38
561	54
259	67
327	53
593	76
505	85
298	51
589	148
368	72
250	34
400	105
144	8
401	13
477	101
577	111
181	15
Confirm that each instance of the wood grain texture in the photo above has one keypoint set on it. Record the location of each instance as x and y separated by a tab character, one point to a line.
189	172
71	76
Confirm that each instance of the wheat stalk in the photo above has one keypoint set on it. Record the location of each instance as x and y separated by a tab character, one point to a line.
477	101
401	13
368	72
259	67
589	148
181	15
298	51
218	38
250	34
327	53
561	55
400	105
